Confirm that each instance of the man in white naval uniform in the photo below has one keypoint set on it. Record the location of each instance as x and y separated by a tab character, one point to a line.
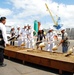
30	38
24	35
50	39
3	40
18	35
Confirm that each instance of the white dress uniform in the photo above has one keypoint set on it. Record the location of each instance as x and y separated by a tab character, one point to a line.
19	37
51	41
30	39
24	36
3	29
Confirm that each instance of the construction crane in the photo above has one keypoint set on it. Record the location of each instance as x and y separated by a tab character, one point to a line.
55	22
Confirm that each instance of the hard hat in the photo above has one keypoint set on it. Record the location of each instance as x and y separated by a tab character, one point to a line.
44	33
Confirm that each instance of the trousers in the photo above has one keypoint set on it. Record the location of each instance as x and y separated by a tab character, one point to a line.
49	47
1	56
64	49
30	43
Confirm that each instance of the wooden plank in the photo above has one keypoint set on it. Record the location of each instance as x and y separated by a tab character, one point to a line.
10	53
53	60
62	65
32	59
20	56
45	62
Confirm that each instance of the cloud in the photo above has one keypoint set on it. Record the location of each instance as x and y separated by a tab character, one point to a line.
66	14
26	11
5	12
30	7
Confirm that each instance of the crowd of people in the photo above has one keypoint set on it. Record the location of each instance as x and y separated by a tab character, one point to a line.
25	36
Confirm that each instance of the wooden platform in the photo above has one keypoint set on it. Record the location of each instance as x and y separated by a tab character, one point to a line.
48	59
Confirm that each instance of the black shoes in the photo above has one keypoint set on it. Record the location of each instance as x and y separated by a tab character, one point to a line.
3	65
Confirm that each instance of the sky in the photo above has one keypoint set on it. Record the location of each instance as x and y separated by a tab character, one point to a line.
24	12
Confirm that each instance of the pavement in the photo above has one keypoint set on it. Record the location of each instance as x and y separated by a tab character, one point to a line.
15	68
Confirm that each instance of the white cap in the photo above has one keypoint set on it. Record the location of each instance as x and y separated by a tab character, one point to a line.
12	27
63	28
51	28
18	26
